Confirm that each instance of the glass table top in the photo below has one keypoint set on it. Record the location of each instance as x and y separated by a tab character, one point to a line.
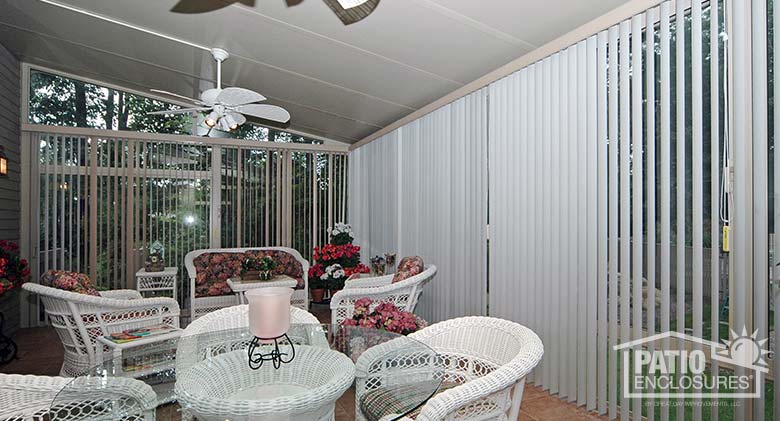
208	376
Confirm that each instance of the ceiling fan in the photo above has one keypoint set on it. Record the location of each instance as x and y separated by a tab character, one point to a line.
227	107
348	11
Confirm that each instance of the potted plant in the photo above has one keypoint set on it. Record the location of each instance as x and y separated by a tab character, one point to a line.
335	262
253	268
14	271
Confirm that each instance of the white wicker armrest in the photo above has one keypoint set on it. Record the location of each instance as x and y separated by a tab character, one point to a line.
376	281
449	401
504	377
131	391
121	294
30	397
170	305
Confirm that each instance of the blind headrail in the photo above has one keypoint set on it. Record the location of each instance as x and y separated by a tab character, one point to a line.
197	140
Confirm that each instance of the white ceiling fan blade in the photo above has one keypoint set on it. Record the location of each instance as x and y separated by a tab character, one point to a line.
179	111
265	111
237	117
238	96
195	101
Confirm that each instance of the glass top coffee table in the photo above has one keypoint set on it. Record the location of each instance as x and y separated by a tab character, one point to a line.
208	376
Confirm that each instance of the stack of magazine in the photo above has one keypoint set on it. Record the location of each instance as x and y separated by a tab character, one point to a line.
141	332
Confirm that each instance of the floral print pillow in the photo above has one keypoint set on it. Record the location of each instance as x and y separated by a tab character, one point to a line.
212	270
69	281
408	267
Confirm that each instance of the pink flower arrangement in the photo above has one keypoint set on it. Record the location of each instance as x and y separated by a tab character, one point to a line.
385	316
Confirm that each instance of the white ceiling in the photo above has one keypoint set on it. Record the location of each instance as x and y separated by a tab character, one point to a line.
339	82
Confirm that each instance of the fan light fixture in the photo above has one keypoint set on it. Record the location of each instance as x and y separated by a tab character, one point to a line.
348	4
231	122
211	119
3	163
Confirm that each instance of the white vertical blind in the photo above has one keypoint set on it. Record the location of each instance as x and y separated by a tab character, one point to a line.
374	200
422	190
631	127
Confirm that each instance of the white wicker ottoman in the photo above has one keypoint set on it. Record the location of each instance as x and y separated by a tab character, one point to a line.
305	389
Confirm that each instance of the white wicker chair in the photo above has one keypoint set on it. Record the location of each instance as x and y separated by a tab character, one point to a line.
482	362
31	398
203	305
381	289
190	352
80	319
304	389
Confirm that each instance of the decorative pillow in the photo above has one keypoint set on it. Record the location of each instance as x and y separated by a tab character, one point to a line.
212	270
69	281
408	267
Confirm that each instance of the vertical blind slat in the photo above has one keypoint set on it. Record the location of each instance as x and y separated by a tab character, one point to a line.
636	188
612	179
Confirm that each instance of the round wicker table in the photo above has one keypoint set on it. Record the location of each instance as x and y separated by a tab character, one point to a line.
207	376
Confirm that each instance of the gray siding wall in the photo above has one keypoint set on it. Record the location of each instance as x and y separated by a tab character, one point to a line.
10	214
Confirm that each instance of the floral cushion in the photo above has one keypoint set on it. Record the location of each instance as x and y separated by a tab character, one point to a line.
408	267
69	281
212	270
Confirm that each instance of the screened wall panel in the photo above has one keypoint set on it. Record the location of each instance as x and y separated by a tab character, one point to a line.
104	200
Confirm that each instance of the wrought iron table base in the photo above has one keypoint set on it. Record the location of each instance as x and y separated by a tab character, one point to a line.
276	356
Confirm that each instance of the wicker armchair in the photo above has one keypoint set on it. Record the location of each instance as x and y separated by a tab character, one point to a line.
191	351
80	319
32	398
381	289
482	362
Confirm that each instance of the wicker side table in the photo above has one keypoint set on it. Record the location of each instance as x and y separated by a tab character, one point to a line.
154	282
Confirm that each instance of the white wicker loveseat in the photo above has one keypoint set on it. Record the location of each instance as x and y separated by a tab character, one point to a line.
482	362
200	304
381	289
80	319
32	398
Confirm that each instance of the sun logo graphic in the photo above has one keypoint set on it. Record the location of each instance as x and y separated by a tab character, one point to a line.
677	365
744	350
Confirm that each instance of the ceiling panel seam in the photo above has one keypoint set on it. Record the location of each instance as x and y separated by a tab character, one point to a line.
475	24
151	32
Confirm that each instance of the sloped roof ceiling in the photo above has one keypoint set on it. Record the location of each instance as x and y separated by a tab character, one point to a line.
339	82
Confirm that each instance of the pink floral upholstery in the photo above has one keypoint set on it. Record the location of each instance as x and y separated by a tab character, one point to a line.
214	269
69	281
408	267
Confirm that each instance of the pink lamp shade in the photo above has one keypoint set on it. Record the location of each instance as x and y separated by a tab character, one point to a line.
269	311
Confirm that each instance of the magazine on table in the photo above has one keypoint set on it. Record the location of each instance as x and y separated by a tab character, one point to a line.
138	333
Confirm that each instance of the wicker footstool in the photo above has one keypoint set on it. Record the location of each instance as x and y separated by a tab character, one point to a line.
305	389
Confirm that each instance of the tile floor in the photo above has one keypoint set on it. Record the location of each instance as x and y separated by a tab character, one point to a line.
40	353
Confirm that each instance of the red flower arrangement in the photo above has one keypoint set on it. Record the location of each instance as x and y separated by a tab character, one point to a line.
337	261
384	316
14	270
